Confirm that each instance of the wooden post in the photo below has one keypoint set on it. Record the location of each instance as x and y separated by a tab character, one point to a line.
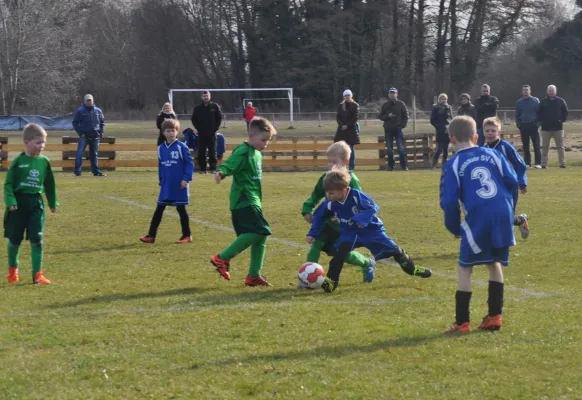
3	154
365	118
225	125
319	120
413	114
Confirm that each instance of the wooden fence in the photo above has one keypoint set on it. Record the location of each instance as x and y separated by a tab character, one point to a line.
285	153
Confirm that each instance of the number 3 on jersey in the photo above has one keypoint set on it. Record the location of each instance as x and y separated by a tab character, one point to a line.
489	188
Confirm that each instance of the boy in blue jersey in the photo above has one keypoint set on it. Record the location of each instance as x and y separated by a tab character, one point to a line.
175	169
360	226
492	131
481	182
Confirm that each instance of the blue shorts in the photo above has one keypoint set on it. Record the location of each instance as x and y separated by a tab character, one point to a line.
467	258
381	246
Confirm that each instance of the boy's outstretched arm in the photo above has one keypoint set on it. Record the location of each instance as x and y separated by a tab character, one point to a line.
519	165
316	196
230	166
369	209
189	167
449	201
319	219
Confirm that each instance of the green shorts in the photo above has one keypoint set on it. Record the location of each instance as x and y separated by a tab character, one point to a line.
250	220
328	235
28	217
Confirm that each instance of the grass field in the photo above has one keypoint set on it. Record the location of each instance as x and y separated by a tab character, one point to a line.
126	320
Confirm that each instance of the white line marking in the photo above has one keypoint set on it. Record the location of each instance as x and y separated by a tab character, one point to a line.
479	282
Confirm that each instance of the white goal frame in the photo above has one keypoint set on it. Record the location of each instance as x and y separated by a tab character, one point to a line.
245	101
288	90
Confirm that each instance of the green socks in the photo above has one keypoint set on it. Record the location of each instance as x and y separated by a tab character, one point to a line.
355	258
258	245
13	251
36	255
315	251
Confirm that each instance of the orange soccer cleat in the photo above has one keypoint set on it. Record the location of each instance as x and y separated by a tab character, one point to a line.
13	275
463	328
256	281
40	279
184	239
491	323
222	266
148	239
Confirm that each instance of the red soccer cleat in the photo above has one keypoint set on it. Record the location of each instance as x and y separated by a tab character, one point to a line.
491	323
222	266
40	279
463	328
256	281
184	239
148	239
13	275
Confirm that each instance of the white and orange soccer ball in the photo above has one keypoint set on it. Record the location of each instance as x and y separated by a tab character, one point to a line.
310	276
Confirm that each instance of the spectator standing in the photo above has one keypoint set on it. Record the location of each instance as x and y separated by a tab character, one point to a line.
347	117
486	107
467	108
206	119
526	119
88	123
553	113
249	113
167	112
440	118
395	116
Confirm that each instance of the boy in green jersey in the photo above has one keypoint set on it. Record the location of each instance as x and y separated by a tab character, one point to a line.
338	155
29	174
250	226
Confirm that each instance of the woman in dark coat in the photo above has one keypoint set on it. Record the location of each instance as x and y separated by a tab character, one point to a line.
440	118
347	120
167	112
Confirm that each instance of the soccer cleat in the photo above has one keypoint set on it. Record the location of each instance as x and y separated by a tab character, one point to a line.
256	281
40	279
463	328
368	272
538	166
408	266
524	227
13	275
184	239
148	239
222	266
491	323
328	285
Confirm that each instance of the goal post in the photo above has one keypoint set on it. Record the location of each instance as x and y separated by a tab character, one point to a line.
246	100
288	90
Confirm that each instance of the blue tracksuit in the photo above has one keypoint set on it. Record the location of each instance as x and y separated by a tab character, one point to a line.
482	183
191	139
516	161
359	224
175	165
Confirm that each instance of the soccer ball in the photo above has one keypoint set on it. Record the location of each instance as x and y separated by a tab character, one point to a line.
310	276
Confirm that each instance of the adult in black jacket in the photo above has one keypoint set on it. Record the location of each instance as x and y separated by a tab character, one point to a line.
441	117
347	117
206	119
486	107
167	112
467	108
395	116
553	112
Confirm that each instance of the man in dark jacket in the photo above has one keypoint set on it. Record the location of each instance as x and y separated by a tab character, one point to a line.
466	107
347	116
88	123
206	119
553	113
526	119
486	107
395	116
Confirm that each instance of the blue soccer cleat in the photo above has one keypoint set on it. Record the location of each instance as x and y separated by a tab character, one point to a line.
369	271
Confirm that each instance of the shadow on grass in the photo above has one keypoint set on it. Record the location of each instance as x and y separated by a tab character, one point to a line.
127	297
331	351
94	250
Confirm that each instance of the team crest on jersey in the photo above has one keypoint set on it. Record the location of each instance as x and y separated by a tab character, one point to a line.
34	173
355	210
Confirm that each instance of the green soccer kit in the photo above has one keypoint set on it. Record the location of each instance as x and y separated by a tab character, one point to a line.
330	231
251	227
25	182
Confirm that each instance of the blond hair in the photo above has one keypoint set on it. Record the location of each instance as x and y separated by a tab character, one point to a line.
32	131
492	121
337	179
443	96
171	124
167	104
463	129
260	126
339	149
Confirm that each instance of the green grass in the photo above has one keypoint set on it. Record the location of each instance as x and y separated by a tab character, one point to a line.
125	320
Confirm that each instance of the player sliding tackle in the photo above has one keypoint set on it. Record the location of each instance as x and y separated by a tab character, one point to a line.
360	226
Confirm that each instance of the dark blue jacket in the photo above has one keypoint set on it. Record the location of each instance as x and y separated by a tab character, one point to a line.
441	118
553	113
191	140
526	111
89	122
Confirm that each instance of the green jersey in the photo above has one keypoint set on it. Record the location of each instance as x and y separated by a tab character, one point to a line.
30	175
245	167
318	193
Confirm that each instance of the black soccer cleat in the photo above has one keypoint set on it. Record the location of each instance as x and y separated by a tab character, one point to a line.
408	266
329	285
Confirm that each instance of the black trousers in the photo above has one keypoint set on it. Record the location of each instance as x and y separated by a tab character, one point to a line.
530	131
207	142
159	213
337	262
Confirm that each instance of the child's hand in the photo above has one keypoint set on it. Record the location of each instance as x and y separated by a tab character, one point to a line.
53	210
308	218
335	220
344	127
218	176
12	208
523	189
309	239
183	184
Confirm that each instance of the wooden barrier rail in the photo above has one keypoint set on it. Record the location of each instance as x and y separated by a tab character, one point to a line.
285	153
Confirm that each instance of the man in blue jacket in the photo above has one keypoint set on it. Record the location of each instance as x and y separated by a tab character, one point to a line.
88	123
526	119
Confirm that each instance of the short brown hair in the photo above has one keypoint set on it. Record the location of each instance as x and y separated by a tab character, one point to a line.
526	86
463	128
466	96
171	124
492	121
32	131
260	126
337	179
339	149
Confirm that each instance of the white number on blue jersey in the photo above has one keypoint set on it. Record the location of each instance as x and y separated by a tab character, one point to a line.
489	188
175	154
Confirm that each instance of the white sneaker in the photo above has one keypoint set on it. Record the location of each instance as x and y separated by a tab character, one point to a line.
538	167
524	228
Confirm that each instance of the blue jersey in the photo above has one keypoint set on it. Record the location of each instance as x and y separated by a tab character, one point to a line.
174	166
511	155
482	182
